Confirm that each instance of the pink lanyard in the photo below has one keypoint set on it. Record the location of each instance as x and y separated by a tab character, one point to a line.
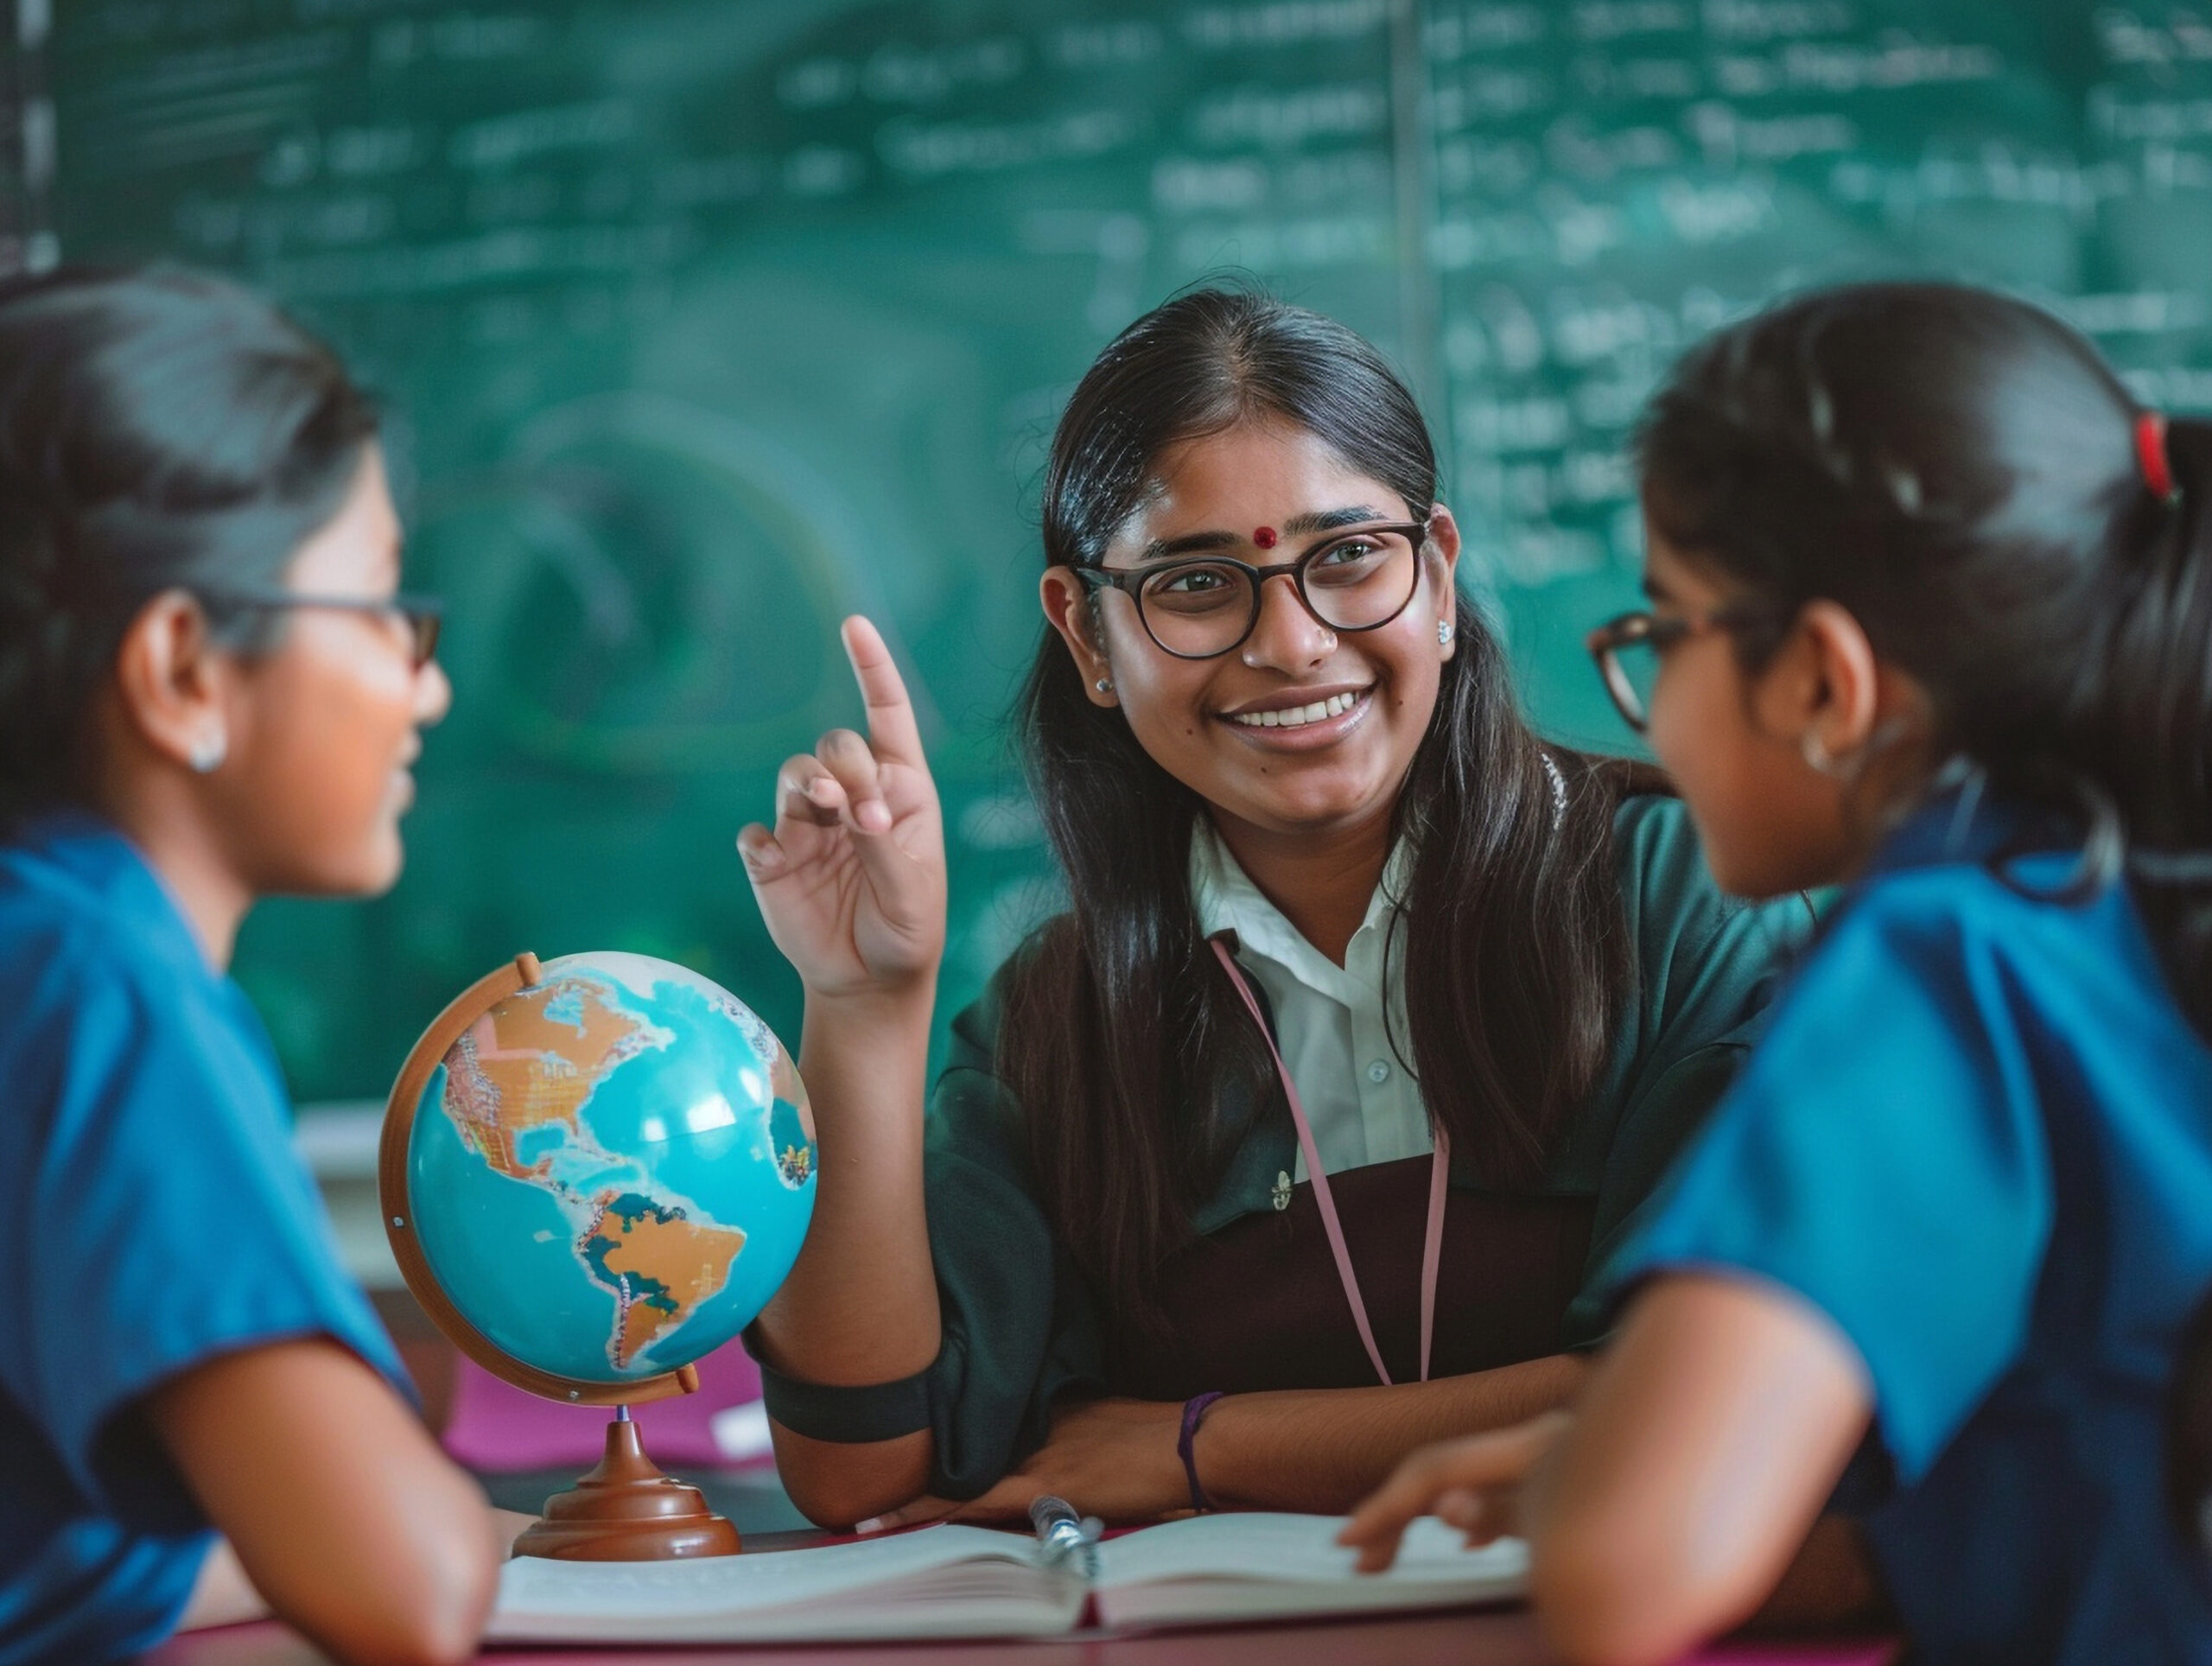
1440	1182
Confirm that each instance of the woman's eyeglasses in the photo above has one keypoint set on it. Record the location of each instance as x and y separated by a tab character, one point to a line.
1205	606
421	616
1628	651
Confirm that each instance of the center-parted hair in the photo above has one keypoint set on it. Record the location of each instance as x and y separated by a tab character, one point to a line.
1962	471
159	431
1122	1041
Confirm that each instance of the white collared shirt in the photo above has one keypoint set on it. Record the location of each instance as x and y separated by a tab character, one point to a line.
1365	1106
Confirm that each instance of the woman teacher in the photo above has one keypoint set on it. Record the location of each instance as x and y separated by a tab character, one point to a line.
1299	1139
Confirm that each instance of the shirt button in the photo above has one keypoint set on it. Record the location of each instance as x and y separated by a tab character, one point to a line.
1378	1072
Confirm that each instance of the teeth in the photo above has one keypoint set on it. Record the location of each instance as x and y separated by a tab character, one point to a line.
1296	716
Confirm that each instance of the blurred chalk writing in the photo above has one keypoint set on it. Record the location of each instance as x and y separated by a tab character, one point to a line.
704	322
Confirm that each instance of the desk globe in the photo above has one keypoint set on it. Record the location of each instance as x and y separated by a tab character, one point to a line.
594	1171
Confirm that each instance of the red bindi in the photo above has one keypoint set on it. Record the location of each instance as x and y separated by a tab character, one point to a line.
1264	536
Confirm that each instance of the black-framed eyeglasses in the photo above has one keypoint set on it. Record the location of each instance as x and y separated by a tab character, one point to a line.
1628	649
422	615
1357	578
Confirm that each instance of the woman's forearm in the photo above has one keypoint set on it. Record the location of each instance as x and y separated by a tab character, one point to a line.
859	1305
1325	1449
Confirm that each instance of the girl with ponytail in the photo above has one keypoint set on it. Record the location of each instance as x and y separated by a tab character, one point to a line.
1931	614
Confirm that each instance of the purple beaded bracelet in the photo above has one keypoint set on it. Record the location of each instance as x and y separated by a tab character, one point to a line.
1194	1411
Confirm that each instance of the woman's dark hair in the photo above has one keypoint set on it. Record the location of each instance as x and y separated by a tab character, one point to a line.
159	431
1122	1038
1961	471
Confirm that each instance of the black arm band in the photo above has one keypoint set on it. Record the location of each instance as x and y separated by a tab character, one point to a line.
850	1416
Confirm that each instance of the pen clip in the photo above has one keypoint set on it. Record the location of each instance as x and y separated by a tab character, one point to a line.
1064	1537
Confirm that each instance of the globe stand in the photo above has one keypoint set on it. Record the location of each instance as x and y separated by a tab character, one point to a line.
624	1508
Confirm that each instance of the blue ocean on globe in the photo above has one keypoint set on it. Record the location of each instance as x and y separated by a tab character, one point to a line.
611	1172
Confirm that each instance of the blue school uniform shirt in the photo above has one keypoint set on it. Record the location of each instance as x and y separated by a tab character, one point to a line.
1978	1137
152	1217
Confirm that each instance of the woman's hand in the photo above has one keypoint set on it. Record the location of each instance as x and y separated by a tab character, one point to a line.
851	882
1112	1459
1472	1484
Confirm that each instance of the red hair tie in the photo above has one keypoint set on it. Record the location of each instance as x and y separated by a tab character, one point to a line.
2151	456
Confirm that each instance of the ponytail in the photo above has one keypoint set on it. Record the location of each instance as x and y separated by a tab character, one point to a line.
2158	708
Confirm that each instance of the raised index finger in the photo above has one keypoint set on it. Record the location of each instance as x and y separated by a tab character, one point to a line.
891	726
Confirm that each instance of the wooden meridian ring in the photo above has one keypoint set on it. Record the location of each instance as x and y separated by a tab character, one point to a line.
399	1211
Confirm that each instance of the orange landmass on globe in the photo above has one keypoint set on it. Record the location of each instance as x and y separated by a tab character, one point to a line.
517	1068
665	1263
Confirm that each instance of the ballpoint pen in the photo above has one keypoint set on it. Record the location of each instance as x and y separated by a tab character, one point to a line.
1066	1537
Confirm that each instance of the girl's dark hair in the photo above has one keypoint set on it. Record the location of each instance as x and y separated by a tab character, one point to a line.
1961	471
1122	1038
158	430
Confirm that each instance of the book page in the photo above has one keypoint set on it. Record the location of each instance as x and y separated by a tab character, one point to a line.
1239	1566
1259	1545
936	1582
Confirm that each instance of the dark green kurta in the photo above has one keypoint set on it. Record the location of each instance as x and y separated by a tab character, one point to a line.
1021	1324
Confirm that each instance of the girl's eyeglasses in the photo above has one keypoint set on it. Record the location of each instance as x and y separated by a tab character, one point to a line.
422	615
1628	651
1359	579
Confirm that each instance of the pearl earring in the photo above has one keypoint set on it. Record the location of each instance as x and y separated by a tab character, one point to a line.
209	751
1817	755
1443	632
1105	685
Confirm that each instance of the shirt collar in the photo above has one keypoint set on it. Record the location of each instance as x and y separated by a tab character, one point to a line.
1227	900
1961	820
98	856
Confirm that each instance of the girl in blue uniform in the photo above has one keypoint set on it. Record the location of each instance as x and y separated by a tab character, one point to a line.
1930	604
209	691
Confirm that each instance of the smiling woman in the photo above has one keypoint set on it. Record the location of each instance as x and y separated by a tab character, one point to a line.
1372	1023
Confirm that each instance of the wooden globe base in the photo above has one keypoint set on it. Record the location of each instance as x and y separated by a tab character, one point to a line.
624	1508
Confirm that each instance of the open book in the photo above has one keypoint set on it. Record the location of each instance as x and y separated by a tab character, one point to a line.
952	1581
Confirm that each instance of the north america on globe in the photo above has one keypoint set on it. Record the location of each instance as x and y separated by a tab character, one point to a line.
517	1084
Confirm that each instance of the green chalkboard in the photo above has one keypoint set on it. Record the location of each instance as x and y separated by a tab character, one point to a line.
702	322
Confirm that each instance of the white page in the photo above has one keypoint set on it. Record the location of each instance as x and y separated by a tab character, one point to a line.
1211	1569
1258	1545
946	1580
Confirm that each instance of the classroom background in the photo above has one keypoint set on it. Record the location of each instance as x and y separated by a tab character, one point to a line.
701	323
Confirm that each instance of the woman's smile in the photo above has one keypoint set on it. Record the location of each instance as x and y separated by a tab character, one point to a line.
1300	719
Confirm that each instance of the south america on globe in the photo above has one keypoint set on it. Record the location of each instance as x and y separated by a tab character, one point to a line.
607	1171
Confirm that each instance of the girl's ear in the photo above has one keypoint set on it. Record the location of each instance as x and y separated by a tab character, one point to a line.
1444	538
1823	690
1068	610
1442	545
168	683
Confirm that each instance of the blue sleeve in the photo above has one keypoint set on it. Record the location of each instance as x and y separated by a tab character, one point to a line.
160	1218
1883	1156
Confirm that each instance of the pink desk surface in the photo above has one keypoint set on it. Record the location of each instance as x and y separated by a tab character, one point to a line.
495	1427
1488	1639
